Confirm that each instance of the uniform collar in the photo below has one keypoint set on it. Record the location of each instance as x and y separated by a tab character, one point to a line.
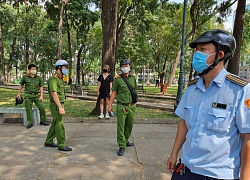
129	75
30	75
218	80
58	75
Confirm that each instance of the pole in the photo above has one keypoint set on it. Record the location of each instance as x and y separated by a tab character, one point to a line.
180	81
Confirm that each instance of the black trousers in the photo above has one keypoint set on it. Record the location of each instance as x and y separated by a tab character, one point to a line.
188	175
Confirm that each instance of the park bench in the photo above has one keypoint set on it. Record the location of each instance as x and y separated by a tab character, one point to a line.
20	110
141	90
2	83
77	89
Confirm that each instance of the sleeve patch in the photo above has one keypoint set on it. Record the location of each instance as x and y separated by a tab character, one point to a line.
247	102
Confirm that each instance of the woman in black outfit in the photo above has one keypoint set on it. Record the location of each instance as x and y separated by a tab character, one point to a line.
104	89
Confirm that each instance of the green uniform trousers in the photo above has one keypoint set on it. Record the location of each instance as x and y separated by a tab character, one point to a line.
56	129
29	100
125	121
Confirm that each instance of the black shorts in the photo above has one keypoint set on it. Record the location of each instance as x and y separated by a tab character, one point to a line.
104	95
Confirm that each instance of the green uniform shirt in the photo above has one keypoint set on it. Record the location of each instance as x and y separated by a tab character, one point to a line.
32	84
55	84
123	94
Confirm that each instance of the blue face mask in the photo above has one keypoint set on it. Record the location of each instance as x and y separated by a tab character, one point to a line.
199	61
65	71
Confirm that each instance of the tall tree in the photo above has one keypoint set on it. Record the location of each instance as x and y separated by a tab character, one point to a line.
233	64
2	54
109	28
59	45
201	12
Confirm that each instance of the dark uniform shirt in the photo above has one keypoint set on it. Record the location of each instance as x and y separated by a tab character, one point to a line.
32	84
123	94
55	84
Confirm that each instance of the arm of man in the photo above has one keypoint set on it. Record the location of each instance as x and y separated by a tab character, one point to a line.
179	140
110	84
41	93
19	90
245	157
112	98
56	100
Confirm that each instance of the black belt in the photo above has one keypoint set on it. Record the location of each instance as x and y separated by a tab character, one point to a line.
33	93
125	104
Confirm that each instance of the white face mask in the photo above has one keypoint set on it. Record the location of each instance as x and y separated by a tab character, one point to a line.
125	69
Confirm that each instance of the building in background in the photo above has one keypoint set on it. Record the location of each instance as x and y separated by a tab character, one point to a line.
244	71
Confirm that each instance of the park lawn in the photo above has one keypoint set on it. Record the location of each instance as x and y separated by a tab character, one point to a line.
81	108
171	91
152	90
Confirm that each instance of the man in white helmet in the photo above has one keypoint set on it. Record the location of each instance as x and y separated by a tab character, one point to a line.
57	99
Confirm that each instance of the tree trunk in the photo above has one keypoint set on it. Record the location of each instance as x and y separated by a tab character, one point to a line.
177	59
109	29
27	41
148	72
173	69
78	65
69	47
35	57
2	55
233	64
59	44
9	71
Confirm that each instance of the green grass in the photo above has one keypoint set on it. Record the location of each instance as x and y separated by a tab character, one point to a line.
157	90
81	108
150	89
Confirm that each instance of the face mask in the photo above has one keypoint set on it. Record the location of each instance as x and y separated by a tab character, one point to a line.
199	61
33	71
125	69
65	71
105	70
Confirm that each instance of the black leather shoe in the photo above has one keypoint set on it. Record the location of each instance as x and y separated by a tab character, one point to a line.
65	149
44	123
29	126
121	152
129	144
50	145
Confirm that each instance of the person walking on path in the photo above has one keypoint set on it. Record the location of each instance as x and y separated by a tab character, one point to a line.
33	94
104	90
125	108
214	131
57	98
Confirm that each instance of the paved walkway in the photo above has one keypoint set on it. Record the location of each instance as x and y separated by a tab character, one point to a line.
94	155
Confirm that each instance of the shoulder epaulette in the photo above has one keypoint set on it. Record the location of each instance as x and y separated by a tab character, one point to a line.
236	79
194	81
117	76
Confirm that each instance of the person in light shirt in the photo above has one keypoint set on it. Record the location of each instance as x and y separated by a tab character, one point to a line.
214	130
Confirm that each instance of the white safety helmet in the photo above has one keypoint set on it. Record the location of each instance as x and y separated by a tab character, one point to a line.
61	63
